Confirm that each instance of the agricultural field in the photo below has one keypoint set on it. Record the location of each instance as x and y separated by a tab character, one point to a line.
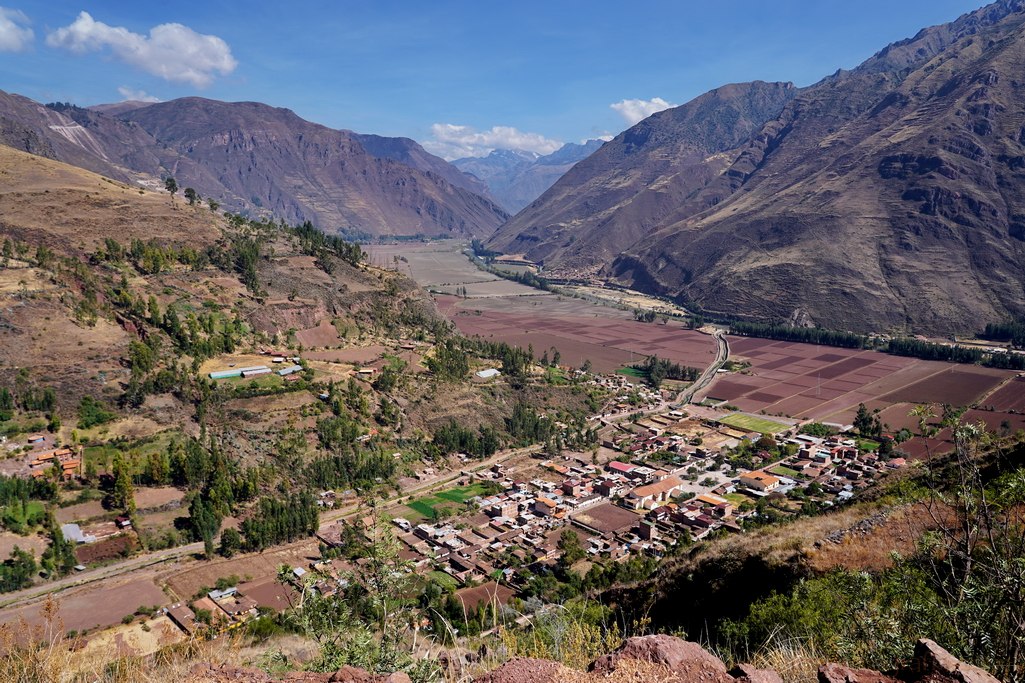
428	507
92	607
498	309
753	423
442	267
580	331
826	384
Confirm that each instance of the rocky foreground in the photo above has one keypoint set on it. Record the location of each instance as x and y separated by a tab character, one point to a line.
647	659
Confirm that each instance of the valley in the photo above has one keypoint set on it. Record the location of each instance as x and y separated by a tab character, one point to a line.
287	401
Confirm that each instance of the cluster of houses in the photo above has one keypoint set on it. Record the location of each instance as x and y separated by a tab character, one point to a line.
637	503
627	397
220	610
69	460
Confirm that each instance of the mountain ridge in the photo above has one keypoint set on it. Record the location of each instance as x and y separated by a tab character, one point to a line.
269	162
884	198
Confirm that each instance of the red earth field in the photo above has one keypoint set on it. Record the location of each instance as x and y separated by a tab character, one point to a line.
94	607
827	384
607	342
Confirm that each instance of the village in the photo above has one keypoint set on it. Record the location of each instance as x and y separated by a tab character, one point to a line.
662	477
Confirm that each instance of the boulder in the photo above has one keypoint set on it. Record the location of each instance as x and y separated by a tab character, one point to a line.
838	673
686	660
933	661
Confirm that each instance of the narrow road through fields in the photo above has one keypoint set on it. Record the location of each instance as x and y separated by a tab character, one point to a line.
722	354
28	595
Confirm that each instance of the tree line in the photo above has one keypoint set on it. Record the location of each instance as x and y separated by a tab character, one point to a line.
806	335
1011	331
657	370
280	520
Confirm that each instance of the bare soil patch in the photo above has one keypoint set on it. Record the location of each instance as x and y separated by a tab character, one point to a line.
355	355
607	518
80	512
109	549
956	385
99	606
9	541
324	334
257	566
1008	398
148	498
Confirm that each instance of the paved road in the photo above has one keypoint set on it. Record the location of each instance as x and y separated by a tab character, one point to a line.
722	354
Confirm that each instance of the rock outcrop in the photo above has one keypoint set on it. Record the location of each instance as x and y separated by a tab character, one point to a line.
659	658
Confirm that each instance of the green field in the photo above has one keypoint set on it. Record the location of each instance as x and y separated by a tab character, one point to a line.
754	424
444	580
631	372
21	519
868	445
137	452
785	472
452	498
737	499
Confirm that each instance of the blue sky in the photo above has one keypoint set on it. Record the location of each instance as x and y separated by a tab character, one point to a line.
460	77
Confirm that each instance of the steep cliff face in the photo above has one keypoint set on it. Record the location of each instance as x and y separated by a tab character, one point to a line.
879	200
890	197
257	159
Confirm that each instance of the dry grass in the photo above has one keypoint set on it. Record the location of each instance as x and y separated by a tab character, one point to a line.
796	661
873	550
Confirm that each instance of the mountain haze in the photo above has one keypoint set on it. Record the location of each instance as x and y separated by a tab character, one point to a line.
516	178
889	197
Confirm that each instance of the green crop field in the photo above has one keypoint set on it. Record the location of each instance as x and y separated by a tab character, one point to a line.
452	498
754	424
21	519
446	581
781	471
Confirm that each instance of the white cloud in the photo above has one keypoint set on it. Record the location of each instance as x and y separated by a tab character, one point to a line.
634	111
171	51
132	95
451	141
15	35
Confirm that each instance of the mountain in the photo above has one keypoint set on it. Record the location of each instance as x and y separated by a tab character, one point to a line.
410	153
888	197
260	160
516	178
621	192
